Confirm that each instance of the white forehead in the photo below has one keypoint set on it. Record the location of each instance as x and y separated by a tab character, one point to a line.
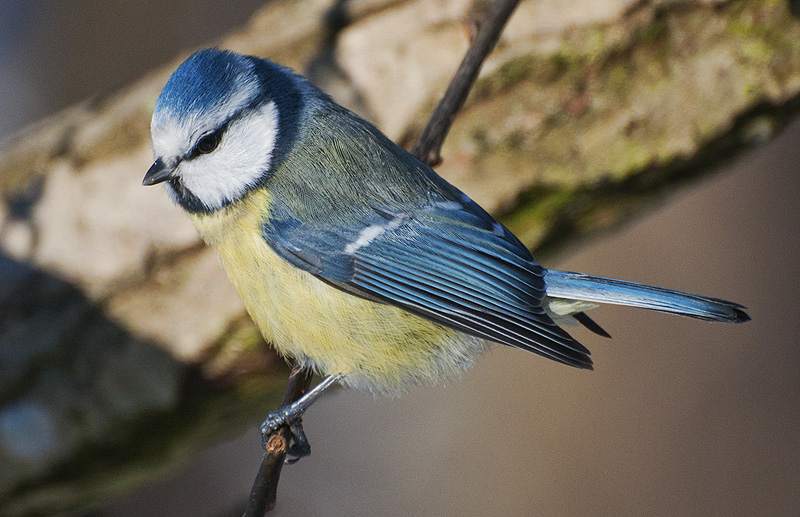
174	132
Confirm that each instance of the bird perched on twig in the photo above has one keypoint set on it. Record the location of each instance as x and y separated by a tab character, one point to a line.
352	256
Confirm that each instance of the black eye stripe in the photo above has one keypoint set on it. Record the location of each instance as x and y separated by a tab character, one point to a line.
217	134
211	139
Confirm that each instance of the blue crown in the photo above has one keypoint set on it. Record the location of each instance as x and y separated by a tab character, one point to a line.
203	80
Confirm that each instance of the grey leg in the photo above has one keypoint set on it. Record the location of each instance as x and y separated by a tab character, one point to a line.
291	415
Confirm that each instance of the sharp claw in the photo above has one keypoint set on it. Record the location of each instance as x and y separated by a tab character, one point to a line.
300	446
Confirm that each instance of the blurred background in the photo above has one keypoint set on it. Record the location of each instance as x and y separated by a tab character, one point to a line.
680	417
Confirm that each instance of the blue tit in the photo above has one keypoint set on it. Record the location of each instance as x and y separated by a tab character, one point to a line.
351	255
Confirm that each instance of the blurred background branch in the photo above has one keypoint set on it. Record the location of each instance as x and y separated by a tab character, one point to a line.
123	349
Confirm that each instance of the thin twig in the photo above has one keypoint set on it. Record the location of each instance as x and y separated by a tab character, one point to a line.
264	493
427	148
429	144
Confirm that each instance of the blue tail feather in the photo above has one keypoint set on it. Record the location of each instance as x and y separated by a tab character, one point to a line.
578	286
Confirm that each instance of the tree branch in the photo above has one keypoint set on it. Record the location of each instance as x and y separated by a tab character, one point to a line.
429	144
263	495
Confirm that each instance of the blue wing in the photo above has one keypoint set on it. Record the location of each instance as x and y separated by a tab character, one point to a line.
449	262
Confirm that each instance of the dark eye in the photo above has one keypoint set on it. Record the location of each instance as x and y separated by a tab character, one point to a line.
208	143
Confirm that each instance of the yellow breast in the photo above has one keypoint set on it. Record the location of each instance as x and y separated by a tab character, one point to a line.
376	346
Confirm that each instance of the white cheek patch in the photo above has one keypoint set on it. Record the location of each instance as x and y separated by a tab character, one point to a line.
242	158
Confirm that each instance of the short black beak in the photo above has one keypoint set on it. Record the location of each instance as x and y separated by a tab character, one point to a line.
157	173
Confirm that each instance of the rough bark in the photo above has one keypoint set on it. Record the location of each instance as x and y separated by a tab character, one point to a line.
122	346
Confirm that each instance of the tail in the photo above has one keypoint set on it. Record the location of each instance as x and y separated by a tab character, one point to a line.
577	286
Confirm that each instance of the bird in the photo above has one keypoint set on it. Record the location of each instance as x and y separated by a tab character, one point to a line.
354	258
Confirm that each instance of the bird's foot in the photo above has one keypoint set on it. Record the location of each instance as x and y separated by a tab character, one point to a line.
298	443
291	416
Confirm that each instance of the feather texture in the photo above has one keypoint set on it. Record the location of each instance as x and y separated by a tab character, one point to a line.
578	286
440	263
